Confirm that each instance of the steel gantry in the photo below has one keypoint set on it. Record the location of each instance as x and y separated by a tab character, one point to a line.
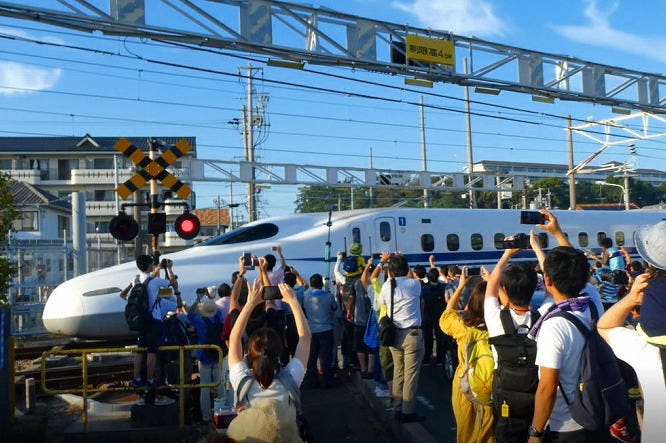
321	36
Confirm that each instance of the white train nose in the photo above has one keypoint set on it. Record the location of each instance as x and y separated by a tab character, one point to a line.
63	311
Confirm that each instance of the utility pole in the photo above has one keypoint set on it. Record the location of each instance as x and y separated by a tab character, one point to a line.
426	194
115	186
248	142
470	158
572	176
217	203
370	191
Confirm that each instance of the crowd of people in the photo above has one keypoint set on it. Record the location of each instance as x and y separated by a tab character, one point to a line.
282	332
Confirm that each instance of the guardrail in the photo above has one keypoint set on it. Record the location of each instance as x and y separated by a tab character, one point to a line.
84	391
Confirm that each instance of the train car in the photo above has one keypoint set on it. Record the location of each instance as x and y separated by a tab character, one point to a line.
89	306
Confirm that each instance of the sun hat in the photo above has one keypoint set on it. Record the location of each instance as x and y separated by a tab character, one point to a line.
207	308
356	249
650	241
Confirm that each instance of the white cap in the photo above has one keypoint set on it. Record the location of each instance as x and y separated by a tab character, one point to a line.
650	241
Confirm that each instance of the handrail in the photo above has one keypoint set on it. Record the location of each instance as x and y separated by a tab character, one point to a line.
84	390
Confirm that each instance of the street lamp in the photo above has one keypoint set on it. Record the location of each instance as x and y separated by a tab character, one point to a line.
625	191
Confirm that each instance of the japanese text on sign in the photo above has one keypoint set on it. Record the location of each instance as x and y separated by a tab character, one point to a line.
429	50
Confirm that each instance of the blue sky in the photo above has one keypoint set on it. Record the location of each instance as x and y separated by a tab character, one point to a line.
58	91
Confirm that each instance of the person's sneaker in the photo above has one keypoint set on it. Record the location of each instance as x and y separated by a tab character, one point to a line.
619	431
137	384
150	385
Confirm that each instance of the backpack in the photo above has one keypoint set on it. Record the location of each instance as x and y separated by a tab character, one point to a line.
515	380
476	381
137	312
214	328
601	396
174	333
287	381
350	265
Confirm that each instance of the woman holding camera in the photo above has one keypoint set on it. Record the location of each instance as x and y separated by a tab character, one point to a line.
263	350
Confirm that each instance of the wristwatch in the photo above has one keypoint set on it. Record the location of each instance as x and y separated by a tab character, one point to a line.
533	432
177	293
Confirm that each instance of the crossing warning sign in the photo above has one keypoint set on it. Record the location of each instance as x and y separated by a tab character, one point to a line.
148	169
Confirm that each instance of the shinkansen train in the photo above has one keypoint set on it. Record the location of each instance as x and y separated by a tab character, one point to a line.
89	306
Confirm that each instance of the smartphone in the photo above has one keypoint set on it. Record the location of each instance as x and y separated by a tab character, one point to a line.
247	260
532	218
271	293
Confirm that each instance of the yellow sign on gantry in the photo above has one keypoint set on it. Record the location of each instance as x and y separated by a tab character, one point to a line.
148	169
429	50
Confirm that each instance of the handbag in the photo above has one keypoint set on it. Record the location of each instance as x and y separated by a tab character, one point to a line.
387	328
371	336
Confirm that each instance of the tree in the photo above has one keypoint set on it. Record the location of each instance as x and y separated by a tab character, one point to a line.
7	215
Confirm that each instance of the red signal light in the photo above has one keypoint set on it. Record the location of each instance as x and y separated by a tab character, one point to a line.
187	226
123	227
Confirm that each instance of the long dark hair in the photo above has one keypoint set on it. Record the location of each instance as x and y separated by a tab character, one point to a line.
263	352
475	306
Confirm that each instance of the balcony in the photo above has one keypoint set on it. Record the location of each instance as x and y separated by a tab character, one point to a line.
95	177
33	177
101	208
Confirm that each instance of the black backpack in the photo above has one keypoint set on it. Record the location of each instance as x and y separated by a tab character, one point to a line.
601	396
515	379
137	311
174	333
214	337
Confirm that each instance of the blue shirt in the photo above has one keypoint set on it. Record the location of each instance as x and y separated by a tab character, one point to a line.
201	325
320	307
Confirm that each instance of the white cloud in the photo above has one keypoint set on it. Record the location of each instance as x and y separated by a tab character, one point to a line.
16	78
463	17
599	32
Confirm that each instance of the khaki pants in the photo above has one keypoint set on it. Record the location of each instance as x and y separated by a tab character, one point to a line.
407	356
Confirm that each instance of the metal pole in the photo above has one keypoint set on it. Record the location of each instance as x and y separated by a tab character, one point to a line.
426	193
115	184
217	201
626	189
79	242
370	191
154	201
572	176
470	158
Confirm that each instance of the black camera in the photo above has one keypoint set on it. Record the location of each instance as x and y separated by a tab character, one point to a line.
520	240
166	263
202	290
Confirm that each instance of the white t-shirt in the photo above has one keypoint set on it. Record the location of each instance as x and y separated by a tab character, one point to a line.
560	346
645	360
275	390
491	314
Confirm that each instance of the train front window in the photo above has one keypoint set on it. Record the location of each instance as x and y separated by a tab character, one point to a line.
244	234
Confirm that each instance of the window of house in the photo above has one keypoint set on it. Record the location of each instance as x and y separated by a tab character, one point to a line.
619	238
63	224
27	221
583	240
385	231
103	164
427	242
499	241
452	242
476	240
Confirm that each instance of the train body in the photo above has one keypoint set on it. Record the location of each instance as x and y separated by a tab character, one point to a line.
89	306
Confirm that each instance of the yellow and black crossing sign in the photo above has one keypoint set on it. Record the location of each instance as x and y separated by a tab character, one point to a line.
153	169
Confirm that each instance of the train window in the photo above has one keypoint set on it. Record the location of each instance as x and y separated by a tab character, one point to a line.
582	240
425	221
600	236
244	234
356	235
619	238
427	242
499	241
477	241
385	231
452	242
543	239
